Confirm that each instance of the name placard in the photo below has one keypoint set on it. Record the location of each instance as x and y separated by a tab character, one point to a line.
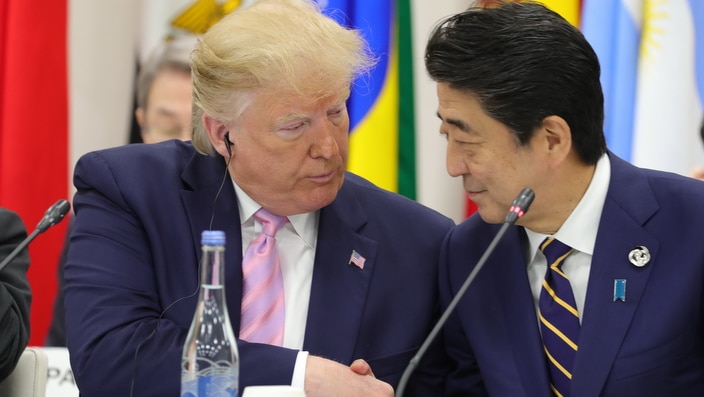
60	382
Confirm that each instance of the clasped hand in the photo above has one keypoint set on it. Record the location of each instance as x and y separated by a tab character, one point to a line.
325	378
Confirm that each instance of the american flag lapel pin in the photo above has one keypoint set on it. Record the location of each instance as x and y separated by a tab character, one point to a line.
357	259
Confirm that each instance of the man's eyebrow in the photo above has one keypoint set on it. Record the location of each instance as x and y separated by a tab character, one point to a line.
165	111
461	125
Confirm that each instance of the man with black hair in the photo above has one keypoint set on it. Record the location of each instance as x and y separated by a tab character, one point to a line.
619	311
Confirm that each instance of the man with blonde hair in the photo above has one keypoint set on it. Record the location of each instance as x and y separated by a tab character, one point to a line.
358	264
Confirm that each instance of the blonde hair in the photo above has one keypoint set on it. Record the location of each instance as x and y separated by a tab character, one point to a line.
272	42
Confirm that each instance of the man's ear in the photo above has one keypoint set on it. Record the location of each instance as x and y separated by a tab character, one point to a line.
216	131
139	116
558	138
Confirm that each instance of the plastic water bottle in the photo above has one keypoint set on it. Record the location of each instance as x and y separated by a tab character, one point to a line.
210	361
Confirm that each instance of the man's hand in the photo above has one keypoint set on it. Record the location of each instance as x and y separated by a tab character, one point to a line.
325	378
361	367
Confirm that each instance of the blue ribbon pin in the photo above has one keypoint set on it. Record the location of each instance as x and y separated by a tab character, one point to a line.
620	290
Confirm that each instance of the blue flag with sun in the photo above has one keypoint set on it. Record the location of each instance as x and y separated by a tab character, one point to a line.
652	59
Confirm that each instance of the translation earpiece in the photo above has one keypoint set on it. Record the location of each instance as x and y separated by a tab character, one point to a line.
228	144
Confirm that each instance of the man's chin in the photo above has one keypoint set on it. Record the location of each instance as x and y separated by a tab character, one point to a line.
322	197
490	216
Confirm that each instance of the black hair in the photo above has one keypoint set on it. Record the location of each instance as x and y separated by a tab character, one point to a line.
523	62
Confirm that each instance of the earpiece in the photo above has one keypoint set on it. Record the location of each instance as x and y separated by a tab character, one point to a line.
228	144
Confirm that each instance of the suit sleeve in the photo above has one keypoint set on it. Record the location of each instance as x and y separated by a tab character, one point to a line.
124	337
15	295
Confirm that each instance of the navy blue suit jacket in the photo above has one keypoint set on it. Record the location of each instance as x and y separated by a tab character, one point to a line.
650	345
131	274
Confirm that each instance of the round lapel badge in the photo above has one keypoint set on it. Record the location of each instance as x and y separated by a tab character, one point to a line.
639	256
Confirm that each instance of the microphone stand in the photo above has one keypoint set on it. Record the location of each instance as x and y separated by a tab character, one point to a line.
53	215
19	248
518	208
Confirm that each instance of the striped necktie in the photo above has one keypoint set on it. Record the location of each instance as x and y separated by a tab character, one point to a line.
262	318
559	319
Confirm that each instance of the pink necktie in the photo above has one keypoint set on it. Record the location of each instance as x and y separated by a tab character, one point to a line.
263	293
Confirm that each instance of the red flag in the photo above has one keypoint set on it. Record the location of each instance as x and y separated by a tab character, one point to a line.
470	208
34	134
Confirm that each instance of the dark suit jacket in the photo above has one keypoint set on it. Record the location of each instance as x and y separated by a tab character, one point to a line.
650	345
139	212
15	295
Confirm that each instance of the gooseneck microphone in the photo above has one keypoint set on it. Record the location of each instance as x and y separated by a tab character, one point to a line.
52	216
518	208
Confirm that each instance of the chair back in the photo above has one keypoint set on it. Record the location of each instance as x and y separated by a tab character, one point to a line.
28	379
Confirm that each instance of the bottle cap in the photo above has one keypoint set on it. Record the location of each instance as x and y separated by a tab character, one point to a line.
212	237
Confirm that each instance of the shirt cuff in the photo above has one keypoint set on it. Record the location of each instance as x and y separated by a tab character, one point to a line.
299	371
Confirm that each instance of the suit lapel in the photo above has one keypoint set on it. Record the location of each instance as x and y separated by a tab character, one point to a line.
339	289
520	317
202	179
605	322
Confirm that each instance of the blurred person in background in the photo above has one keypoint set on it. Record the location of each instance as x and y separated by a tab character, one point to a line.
164	92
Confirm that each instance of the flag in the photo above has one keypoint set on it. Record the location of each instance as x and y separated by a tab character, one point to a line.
568	9
51	113
34	134
357	259
652	58
203	14
374	103
406	108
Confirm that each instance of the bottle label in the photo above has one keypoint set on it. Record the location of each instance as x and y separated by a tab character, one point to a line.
220	381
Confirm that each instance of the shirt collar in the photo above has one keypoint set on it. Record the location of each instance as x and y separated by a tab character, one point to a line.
304	225
580	228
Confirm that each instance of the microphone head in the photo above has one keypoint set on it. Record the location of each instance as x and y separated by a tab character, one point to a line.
520	205
54	215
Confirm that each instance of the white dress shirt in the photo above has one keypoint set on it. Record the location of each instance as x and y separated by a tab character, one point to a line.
579	232
296	242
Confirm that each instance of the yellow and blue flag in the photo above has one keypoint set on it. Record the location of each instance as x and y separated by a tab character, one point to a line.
382	143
